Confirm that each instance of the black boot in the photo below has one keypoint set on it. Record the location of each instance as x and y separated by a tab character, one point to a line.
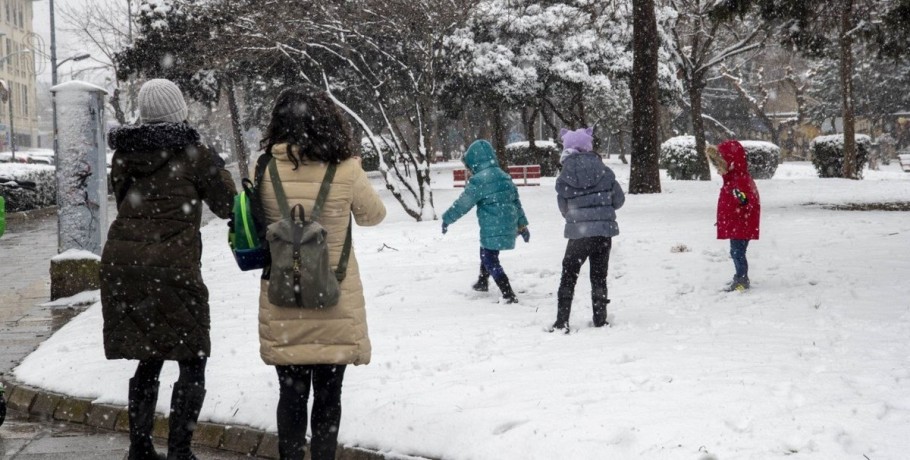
508	295
185	405
599	302
563	308
483	281
142	418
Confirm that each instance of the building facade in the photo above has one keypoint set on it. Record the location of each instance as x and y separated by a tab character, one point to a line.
17	69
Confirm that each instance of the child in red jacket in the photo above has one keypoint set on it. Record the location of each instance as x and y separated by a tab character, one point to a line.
738	207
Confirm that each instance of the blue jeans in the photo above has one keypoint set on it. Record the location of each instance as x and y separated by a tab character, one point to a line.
489	263
738	253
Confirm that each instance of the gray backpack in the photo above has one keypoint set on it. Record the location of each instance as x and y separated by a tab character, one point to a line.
301	275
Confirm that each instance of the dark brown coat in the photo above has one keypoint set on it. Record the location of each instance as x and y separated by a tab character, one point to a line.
154	302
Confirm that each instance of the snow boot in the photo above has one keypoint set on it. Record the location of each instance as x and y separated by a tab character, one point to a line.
142	419
186	403
599	303
508	295
563	308
483	281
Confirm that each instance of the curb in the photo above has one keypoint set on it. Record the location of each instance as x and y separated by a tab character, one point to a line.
232	438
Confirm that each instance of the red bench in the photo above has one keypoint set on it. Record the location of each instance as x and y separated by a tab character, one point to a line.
521	175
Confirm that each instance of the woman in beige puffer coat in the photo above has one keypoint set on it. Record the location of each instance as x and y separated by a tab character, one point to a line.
306	132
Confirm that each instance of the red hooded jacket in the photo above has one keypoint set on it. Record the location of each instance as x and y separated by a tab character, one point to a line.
735	220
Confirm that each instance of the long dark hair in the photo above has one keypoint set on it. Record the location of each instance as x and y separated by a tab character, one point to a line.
307	119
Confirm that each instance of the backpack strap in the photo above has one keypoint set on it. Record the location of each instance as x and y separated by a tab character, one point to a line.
279	190
323	191
342	270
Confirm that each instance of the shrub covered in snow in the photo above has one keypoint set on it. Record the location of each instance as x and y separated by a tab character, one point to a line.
679	158
18	198
547	156
762	158
370	160
828	154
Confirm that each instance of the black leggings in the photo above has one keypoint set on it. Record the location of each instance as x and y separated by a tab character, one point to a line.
294	390
192	372
595	248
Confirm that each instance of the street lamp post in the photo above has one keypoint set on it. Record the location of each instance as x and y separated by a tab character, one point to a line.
9	95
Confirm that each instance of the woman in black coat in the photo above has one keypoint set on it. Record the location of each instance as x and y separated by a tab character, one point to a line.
154	302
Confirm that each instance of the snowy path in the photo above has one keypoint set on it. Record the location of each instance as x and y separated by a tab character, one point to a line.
811	363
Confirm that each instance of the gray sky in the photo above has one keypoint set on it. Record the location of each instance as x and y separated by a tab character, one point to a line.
66	43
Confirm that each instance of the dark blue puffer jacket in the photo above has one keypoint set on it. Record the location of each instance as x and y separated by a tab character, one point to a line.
499	210
588	196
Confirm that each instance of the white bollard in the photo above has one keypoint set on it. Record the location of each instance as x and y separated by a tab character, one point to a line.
81	167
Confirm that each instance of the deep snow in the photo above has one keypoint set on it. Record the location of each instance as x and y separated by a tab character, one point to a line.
813	362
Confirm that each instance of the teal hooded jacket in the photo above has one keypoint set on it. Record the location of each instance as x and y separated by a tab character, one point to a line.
491	189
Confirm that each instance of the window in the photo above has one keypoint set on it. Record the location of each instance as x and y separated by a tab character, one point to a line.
25	101
8	16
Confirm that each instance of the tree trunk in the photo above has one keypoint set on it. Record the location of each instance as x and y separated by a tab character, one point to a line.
644	176
118	108
846	76
243	158
499	135
698	127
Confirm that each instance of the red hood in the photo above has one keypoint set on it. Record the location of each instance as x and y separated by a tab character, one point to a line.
735	156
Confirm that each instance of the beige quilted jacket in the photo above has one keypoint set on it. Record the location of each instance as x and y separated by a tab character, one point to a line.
338	334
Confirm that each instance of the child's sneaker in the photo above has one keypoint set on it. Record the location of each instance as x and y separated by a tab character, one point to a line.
738	285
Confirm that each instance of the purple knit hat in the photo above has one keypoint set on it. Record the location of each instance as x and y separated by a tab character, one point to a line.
581	139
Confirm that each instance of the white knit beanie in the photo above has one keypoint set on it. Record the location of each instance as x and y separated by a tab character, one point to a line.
161	101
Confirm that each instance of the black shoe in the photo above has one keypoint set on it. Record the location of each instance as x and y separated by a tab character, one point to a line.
599	307
563	308
142	401
482	285
508	295
186	403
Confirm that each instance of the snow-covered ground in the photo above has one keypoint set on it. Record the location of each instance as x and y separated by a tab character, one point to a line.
813	362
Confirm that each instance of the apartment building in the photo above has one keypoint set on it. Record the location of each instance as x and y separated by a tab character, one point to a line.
17	69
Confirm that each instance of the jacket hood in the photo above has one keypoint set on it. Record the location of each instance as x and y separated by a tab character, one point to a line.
735	155
480	156
145	148
584	170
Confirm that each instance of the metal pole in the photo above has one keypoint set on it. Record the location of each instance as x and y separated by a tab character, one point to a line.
54	111
12	133
129	20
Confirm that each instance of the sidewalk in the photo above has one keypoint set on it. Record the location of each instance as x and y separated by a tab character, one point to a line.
39	425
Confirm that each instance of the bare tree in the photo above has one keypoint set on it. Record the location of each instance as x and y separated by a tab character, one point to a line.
644	175
702	41
103	28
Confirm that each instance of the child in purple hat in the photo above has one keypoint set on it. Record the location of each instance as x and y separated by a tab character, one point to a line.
588	196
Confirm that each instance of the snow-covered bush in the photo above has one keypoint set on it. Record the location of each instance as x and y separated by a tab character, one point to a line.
762	158
547	156
24	199
370	160
679	158
828	154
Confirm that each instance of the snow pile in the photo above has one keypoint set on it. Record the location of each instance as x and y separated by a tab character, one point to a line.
762	158
828	154
18	198
812	362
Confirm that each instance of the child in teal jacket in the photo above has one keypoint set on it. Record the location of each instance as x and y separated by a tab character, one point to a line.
499	213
